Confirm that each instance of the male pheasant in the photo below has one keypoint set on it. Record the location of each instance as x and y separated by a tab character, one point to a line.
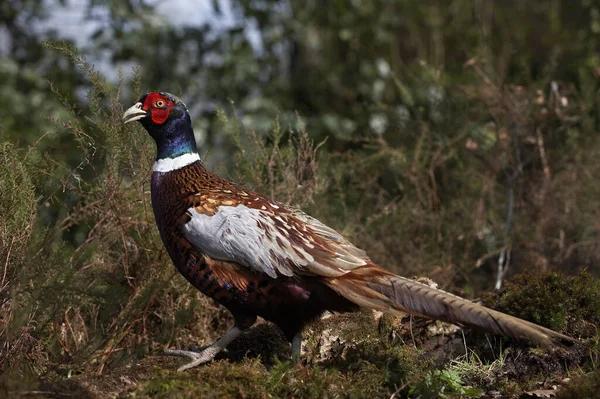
259	257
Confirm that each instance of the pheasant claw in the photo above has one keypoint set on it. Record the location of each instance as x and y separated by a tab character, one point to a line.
207	354
198	358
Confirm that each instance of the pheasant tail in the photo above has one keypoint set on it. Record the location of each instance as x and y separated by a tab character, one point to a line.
376	288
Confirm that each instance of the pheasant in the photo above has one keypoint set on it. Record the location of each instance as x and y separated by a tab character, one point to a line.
259	257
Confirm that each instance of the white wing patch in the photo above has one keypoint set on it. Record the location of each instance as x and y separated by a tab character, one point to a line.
272	244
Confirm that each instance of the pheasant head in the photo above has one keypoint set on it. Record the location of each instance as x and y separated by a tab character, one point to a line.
166	118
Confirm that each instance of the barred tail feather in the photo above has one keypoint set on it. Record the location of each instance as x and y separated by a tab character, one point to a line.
378	289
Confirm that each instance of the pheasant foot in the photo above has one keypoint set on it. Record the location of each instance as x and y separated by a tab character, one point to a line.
207	354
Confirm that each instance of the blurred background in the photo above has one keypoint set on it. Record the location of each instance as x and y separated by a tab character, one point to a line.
455	139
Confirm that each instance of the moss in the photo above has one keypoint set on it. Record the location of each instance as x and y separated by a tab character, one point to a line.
354	345
317	382
584	387
554	300
250	379
165	386
220	379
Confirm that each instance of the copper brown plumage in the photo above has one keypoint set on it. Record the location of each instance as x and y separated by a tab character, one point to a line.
258	257
234	286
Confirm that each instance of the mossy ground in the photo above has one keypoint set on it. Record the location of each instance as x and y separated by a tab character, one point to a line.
359	355
582	387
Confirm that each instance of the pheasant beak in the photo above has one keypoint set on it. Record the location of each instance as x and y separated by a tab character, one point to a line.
134	113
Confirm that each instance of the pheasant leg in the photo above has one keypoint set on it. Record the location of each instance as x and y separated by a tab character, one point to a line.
207	354
296	347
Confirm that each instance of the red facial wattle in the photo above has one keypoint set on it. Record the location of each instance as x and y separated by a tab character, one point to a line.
158	106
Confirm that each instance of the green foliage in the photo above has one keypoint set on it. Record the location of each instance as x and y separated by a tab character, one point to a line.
18	199
114	291
20	247
443	384
282	163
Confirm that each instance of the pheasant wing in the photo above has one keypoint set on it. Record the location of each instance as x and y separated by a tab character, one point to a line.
272	239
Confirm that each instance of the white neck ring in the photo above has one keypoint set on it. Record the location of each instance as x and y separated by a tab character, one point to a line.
171	164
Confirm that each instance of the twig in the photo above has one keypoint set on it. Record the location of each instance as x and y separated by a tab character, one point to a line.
509	212
489	255
505	253
543	156
576	245
412	336
34	145
2	286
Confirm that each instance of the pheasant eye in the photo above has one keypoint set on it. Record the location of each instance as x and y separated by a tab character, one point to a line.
159	103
